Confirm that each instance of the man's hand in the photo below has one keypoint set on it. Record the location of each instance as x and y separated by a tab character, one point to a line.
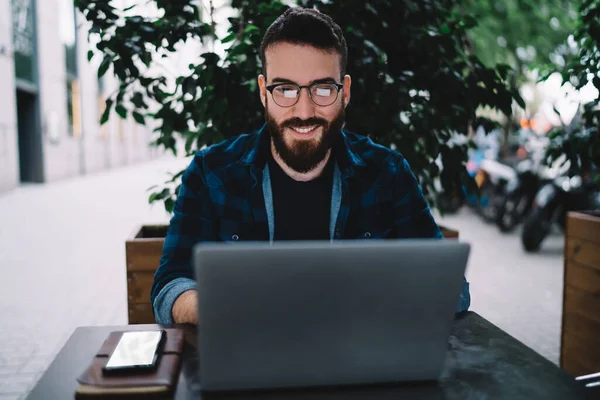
185	309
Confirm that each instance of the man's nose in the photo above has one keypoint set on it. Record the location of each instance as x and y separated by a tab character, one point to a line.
304	108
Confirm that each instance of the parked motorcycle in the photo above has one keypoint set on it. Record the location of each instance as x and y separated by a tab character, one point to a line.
448	200
492	178
552	203
518	198
520	191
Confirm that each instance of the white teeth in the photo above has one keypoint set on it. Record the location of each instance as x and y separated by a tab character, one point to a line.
304	130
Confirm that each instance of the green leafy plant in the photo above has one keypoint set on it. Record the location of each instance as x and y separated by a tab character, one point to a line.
521	33
416	86
580	144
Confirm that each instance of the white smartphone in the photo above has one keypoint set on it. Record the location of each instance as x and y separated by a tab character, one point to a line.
136	350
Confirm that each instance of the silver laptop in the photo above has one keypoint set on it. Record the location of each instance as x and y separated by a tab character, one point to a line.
298	314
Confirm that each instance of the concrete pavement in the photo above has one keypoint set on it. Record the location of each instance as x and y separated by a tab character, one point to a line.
62	258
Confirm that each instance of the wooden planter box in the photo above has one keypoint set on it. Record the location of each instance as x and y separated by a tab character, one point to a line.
580	339
449	233
143	250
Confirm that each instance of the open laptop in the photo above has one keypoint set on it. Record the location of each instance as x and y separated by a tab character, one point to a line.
299	314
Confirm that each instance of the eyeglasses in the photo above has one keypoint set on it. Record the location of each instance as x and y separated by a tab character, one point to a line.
322	94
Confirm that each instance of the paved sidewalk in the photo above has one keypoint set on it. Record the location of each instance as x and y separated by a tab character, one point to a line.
62	258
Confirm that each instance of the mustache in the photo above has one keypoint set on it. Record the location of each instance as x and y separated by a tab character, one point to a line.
301	123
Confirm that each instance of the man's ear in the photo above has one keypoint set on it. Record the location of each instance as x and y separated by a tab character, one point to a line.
262	86
346	90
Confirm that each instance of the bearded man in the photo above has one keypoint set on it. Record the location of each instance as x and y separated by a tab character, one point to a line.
300	177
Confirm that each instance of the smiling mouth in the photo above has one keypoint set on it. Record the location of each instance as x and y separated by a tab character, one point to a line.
305	130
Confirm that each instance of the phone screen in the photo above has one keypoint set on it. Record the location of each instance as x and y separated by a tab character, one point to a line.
135	349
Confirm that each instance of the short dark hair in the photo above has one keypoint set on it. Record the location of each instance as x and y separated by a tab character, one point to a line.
305	26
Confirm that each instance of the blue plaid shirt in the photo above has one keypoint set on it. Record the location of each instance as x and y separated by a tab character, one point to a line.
226	196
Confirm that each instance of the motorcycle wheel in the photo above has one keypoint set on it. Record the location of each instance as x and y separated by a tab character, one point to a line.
510	212
450	203
488	204
535	230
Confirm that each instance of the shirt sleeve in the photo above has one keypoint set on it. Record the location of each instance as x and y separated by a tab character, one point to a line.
192	222
413	218
163	303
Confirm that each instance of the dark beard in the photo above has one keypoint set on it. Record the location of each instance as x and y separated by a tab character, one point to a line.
304	156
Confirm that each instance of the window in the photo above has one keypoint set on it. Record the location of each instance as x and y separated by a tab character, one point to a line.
68	36
24	40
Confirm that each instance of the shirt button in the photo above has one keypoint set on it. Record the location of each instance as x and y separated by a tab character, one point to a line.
235	238
367	235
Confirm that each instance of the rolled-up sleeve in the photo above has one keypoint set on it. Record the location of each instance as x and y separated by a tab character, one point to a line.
192	222
163	303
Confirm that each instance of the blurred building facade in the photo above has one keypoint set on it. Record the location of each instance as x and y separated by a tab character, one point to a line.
51	100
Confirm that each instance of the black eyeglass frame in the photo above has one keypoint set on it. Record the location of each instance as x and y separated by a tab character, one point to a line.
338	86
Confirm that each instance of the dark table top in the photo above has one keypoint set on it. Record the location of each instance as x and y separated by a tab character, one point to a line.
482	362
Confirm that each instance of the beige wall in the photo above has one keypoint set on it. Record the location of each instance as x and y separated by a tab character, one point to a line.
117	144
94	148
61	151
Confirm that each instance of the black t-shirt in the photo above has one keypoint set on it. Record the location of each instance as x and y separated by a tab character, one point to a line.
301	209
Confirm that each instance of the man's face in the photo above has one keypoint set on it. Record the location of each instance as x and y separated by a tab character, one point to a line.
303	133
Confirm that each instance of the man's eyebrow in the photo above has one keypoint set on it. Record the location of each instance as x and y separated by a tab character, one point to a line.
321	80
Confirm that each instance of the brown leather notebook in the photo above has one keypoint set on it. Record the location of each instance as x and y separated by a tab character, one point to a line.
93	383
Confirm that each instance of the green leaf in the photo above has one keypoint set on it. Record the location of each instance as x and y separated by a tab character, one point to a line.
228	38
189	141
152	198
156	196
90	55
169	205
517	97
210	58
177	176
104	65
138	100
189	86
106	113
146	58
139	118
121	111
556	110
503	70
469	22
